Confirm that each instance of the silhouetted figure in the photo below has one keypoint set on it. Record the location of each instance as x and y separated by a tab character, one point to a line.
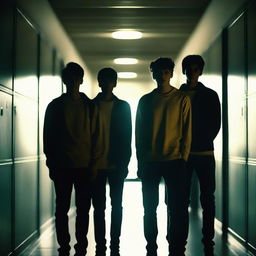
163	136
67	146
205	127
113	119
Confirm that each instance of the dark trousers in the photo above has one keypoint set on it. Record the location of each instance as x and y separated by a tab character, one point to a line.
174	174
116	183
204	166
64	180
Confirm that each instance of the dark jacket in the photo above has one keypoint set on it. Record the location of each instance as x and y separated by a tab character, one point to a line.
206	117
67	133
120	133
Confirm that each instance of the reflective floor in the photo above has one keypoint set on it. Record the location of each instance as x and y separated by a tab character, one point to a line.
132	240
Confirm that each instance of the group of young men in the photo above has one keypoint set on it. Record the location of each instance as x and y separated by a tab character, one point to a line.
88	143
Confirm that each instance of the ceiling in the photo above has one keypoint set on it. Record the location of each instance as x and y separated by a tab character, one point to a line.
166	25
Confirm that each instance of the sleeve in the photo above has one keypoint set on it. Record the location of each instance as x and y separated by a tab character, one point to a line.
215	116
49	132
127	134
186	128
138	130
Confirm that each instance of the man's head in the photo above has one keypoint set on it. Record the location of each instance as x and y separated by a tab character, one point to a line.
107	79
192	66
162	69
72	74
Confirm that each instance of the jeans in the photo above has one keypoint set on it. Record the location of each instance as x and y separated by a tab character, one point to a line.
175	177
204	166
64	180
116	183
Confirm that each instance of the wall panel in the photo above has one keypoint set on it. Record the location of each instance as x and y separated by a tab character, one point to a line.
25	127
6	43
252	125
237	127
26	58
5	208
6	127
25	200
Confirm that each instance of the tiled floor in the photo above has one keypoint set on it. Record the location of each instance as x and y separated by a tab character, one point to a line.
132	240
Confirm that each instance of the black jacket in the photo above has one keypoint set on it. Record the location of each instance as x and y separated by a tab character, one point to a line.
206	117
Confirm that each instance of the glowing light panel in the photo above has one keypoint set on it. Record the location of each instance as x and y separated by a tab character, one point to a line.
128	75
127	34
125	61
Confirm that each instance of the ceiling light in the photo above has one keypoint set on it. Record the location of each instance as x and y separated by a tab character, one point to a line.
127	34
127	61
126	75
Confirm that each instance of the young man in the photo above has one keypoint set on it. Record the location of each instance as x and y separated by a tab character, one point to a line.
163	136
67	146
205	127
112	118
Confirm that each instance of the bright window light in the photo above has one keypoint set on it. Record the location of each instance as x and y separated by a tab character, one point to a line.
127	34
126	75
125	61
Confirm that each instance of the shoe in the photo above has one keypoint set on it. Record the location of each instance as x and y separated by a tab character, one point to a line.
100	253
151	254
114	254
209	252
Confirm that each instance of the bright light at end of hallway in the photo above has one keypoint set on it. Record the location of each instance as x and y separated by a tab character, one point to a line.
127	34
125	61
128	75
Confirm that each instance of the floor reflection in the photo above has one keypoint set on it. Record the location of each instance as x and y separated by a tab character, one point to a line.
132	240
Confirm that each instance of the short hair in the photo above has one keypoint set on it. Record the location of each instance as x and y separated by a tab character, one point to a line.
161	63
107	75
70	72
192	59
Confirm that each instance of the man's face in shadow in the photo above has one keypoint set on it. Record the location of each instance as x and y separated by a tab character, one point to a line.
193	71
163	75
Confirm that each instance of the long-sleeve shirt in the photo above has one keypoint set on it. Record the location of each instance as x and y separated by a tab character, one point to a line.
163	126
206	116
67	133
112	128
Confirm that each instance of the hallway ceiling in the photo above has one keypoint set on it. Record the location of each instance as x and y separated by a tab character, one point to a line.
166	25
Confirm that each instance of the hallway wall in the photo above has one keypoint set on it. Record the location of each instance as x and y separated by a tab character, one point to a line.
33	50
230	70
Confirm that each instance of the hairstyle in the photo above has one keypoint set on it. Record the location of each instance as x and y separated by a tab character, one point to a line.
70	72
107	75
192	59
162	63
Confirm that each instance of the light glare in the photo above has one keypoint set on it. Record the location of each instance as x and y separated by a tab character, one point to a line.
127	61
127	35
128	75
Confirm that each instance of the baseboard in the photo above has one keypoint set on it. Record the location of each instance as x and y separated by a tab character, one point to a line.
236	241
33	240
25	244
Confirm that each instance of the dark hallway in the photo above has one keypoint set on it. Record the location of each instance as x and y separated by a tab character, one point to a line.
38	38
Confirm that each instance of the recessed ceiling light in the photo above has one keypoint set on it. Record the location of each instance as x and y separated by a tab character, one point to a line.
127	61
127	34
126	75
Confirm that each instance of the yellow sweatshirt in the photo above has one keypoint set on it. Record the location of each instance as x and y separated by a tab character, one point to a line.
163	126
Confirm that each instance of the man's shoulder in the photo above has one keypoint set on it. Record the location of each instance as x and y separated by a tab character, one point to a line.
121	102
206	89
181	94
56	101
147	96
